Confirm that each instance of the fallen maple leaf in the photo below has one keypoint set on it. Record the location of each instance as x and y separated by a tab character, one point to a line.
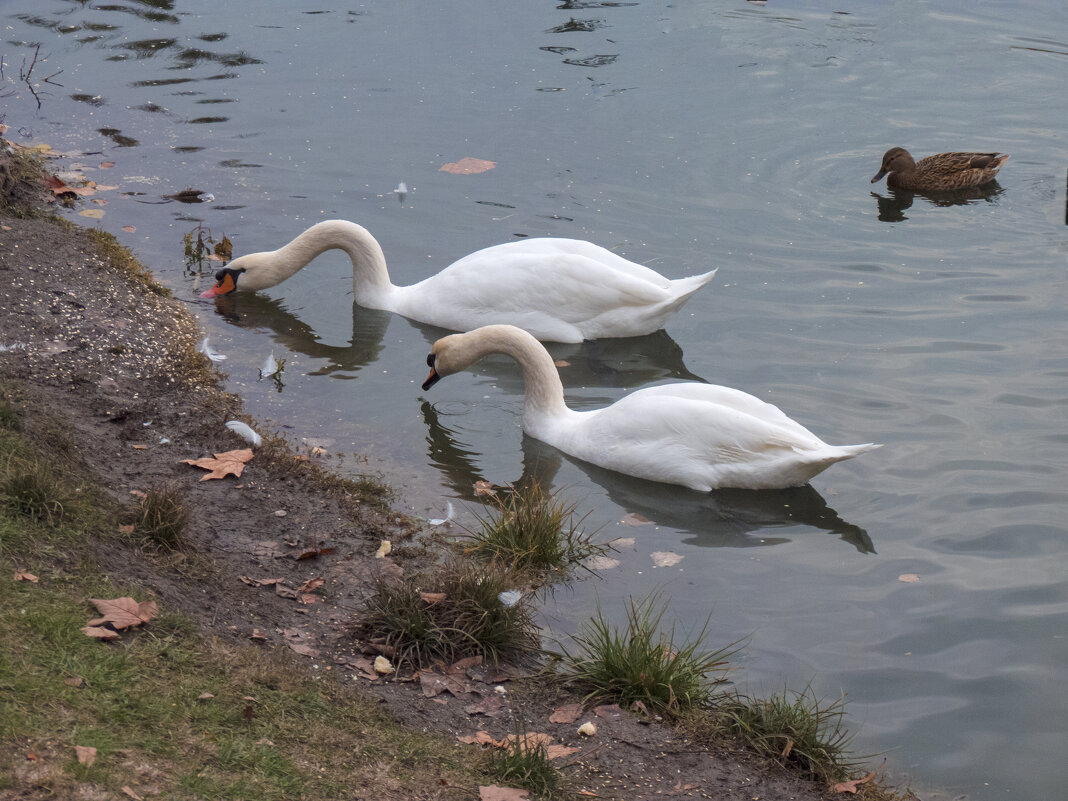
467	166
491	792
230	463
86	755
100	633
490	706
22	575
568	713
851	785
479	738
123	613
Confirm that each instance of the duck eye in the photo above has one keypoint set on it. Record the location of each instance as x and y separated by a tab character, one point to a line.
430	360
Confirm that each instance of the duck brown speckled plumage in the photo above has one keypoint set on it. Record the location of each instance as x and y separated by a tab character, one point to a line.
944	171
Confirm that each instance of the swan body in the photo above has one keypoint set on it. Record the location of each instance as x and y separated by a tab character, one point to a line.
701	436
560	290
940	172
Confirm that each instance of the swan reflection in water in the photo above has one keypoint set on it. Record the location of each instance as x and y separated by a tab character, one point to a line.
721	518
892	208
629	362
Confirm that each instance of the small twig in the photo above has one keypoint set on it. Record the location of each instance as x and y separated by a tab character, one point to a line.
50	77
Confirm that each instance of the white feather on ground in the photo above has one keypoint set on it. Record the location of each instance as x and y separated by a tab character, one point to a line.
245	432
440	521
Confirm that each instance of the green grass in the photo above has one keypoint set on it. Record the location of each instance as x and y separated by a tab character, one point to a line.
526	764
31	489
642	662
533	532
465	615
793	728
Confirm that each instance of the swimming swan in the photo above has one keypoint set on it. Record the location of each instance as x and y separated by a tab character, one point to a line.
560	290
701	436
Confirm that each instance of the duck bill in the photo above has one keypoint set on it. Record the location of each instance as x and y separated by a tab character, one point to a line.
431	379
225	286
878	175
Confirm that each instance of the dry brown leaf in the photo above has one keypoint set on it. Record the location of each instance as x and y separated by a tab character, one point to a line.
123	613
282	591
205	696
908	578
433	684
74	681
491	792
107	165
484	488
634	519
851	785
129	228
568	713
22	575
94	214
258	635
312	584
127	529
298	642
126	789
467	166
139	447
562	363
86	755
490	706
230	463
608	711
558	751
100	633
480	738
432	597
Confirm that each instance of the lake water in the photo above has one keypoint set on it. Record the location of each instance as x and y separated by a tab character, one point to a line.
685	136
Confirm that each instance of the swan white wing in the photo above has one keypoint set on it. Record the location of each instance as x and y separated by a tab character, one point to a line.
699	442
550	290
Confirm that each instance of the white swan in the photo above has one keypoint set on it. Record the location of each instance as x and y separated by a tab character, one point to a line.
701	436
561	290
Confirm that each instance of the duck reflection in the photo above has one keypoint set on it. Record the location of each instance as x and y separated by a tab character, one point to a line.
629	362
892	208
723	518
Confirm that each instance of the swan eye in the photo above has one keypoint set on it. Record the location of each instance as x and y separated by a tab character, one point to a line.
430	360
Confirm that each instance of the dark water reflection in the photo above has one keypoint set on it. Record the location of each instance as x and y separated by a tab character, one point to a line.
724	518
621	362
892	208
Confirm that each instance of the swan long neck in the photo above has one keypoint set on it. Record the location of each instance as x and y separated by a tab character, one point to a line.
370	279
544	390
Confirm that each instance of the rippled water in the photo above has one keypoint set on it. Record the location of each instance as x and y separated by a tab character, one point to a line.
684	136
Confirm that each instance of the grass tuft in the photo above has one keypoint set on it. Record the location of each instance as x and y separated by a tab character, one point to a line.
450	612
796	729
30	488
534	532
163	516
525	762
641	662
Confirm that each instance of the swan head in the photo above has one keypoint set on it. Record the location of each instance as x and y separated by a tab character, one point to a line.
225	281
449	355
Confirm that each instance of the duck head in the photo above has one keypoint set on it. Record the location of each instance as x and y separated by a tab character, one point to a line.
225	282
896	159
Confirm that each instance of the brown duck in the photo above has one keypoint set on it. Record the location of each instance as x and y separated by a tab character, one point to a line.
944	171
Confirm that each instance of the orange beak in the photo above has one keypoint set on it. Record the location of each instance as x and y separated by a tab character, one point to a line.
431	379
226	285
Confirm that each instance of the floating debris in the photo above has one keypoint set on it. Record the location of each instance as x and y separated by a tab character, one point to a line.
509	597
205	348
270	367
